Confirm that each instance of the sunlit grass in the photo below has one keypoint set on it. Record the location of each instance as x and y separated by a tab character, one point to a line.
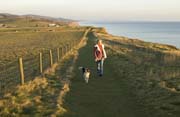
14	45
151	69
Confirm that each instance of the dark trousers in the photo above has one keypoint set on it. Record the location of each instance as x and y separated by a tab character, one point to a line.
100	67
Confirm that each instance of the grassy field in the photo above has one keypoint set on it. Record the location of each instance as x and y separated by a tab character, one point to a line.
105	96
43	96
28	35
140	79
22	22
26	43
150	70
38	97
30	21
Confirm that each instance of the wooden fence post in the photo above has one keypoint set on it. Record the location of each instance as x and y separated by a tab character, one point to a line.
74	43
51	59
21	69
66	49
71	46
58	56
62	52
40	63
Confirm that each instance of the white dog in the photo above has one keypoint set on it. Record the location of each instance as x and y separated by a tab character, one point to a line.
86	73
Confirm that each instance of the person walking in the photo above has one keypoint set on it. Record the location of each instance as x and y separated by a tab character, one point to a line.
100	56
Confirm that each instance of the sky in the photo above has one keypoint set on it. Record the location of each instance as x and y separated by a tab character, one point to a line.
97	10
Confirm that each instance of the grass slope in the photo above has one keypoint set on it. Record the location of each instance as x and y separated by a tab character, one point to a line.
141	79
108	96
150	70
42	97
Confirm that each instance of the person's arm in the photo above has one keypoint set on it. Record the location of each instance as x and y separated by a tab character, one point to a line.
104	53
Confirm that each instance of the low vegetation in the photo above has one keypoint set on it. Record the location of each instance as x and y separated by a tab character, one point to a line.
151	70
43	96
27	41
23	44
144	73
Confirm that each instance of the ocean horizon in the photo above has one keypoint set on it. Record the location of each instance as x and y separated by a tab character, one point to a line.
158	32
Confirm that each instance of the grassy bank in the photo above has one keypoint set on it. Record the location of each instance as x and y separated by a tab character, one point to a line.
43	96
150	70
141	79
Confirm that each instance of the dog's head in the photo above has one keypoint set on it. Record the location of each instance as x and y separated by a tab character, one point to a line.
85	71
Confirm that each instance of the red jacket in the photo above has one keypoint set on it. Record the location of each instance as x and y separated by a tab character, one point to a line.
99	52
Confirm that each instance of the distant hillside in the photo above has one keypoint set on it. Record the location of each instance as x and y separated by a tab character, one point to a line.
48	18
11	20
7	15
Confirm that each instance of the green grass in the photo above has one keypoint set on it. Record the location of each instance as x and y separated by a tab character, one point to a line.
152	73
27	22
13	45
22	37
108	96
28	44
39	97
138	81
141	79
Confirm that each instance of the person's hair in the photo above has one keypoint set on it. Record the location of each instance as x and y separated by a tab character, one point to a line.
99	40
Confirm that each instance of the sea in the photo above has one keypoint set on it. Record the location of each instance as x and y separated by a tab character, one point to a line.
159	32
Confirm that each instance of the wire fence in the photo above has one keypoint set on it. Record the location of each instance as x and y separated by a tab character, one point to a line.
9	77
26	69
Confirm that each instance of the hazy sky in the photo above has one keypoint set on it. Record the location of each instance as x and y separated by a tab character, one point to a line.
97	10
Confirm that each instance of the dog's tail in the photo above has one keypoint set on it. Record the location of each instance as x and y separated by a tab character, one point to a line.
80	68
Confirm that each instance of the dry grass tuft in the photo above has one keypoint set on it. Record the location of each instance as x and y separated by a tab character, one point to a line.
23	98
